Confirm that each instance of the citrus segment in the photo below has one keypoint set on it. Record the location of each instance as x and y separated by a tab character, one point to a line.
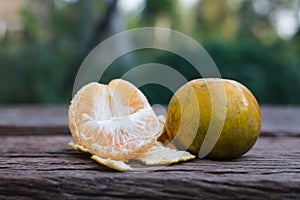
90	103
113	121
127	99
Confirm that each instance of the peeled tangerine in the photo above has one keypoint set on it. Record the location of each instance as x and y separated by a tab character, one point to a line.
216	118
115	123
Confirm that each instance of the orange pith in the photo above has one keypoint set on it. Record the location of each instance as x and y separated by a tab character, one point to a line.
113	121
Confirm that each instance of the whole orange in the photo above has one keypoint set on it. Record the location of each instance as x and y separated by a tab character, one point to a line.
212	117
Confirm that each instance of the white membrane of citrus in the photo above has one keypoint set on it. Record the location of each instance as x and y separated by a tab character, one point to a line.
119	114
121	134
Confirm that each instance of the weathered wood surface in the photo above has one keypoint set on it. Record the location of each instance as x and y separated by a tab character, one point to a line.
53	119
33	120
38	164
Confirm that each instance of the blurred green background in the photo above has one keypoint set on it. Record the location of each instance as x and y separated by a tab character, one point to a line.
43	43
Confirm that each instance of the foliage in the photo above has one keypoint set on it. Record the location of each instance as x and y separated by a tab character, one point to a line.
39	64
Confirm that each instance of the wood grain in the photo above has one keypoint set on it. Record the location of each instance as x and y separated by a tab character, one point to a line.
279	121
40	165
44	167
29	119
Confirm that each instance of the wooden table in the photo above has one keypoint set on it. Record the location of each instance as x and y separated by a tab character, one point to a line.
37	163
